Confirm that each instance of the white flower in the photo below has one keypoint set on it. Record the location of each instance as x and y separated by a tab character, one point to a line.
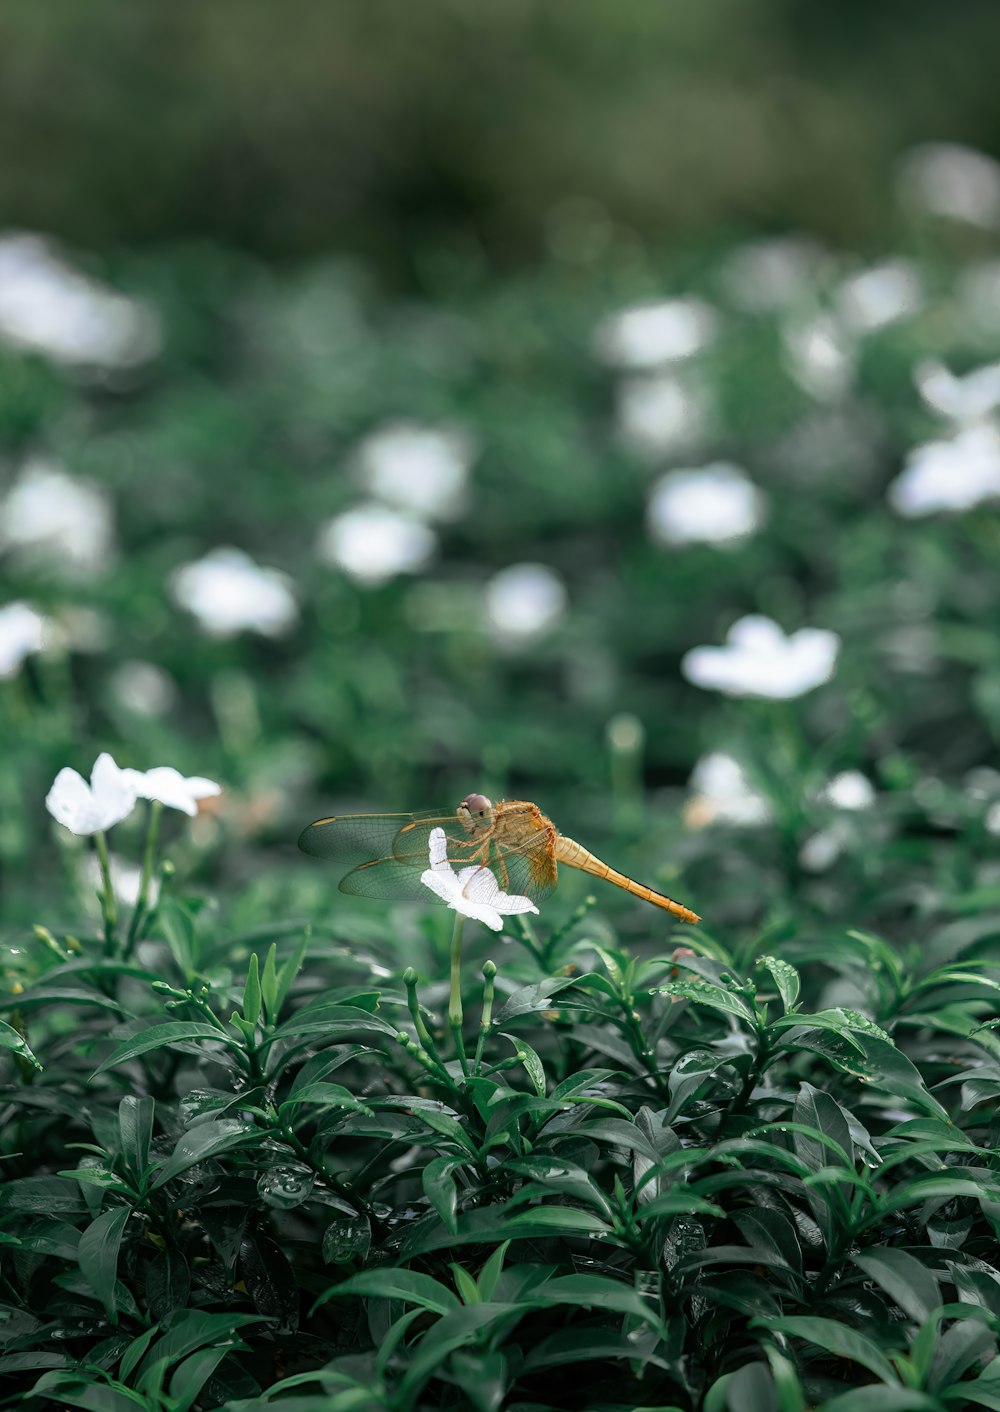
822	849
722	793
90	808
22	632
474	891
991	819
660	412
126	879
848	790
760	660
421	469
373	543
947	179
227	592
47	307
877	297
645	336
771	274
57	519
955	474
168	786
962	399
524	601
144	688
715	504
819	356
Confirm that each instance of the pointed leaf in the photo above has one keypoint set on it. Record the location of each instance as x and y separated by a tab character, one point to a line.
98	1255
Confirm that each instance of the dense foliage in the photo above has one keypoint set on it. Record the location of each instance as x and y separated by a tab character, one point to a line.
249	1157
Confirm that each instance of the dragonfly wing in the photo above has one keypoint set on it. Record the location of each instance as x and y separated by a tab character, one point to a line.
363	838
389	880
527	869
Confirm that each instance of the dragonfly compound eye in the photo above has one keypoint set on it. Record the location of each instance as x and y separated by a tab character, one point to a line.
477	804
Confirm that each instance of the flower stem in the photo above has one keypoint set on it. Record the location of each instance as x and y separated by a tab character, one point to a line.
455	1015
489	972
109	908
148	859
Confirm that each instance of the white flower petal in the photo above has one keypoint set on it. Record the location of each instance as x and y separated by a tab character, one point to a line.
56	519
714	504
759	660
722	793
848	790
374	544
524	601
645	336
23	631
169	787
951	475
87	809
947	179
227	592
421	469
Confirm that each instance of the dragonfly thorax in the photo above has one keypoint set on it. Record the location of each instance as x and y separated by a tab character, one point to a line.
475	813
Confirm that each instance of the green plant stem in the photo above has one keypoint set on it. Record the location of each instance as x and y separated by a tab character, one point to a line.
424	1036
148	859
109	907
489	973
455	1015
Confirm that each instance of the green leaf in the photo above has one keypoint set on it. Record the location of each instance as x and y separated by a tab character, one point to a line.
785	977
905	1280
11	1039
135	1129
704	993
835	1338
204	1141
323	1095
408	1285
532	997
439	1188
490	1273
175	1033
98	1255
251	991
533	1066
269	983
289	970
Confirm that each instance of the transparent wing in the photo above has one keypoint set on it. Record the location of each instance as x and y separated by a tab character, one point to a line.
389	852
365	838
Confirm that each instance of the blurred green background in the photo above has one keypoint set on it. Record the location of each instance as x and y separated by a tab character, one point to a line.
264	241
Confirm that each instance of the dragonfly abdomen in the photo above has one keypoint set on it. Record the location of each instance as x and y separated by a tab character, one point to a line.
574	855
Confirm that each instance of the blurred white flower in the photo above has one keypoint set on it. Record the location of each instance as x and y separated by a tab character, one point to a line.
661	412
373	543
23	631
879	296
168	786
645	336
55	519
848	790
48	307
991	819
714	504
822	849
474	892
721	793
89	808
771	274
955	474
421	469
819	356
524	601
126	879
977	292
946	179
227	592
144	688
962	399
760	660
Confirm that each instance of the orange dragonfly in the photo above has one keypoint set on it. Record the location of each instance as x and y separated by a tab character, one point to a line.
521	847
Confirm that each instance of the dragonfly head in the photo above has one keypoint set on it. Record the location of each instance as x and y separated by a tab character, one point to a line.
475	813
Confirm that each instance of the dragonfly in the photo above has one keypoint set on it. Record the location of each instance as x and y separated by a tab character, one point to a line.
387	853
